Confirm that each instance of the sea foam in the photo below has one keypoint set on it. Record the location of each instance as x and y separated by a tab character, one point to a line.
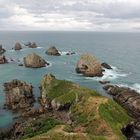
110	74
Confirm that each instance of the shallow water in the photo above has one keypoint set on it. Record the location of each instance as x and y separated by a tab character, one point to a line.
121	50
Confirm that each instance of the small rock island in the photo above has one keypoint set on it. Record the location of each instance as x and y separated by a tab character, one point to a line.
34	61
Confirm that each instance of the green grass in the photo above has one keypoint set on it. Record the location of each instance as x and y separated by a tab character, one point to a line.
115	116
39	127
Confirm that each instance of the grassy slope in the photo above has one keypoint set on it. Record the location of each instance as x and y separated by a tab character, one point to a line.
94	117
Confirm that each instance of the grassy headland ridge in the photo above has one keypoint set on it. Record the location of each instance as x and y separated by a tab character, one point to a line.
93	117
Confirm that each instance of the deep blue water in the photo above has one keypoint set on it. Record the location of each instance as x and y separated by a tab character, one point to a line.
121	50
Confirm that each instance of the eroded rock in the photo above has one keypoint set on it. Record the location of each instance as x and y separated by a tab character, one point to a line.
18	95
89	66
34	61
17	46
53	51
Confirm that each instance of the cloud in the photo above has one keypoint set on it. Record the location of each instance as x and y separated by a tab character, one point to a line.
91	15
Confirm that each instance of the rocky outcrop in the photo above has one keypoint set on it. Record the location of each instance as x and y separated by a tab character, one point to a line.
105	65
89	66
32	45
53	51
3	60
34	61
2	50
46	85
126	97
70	53
18	95
104	82
17	46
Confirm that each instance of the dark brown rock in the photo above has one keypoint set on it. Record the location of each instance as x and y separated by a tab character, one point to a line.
3	60
105	65
2	50
104	82
126	97
17	46
53	51
32	45
18	95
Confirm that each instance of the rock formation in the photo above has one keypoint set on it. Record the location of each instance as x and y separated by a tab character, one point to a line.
126	97
17	46
53	51
2	51
105	65
3	60
34	61
18	95
89	66
32	45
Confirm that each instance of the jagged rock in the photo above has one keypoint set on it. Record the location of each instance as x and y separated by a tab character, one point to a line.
70	53
89	66
2	50
127	97
20	64
3	60
104	82
34	61
46	86
53	51
17	46
128	131
18	95
32	45
105	65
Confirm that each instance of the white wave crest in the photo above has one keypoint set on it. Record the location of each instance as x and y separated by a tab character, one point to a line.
110	74
135	86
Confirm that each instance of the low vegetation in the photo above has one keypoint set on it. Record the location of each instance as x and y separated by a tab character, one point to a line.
93	116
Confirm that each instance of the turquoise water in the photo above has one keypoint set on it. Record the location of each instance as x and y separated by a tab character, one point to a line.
121	50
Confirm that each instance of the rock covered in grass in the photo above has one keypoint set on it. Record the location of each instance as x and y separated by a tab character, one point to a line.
89	66
2	50
53	51
18	95
34	61
56	94
17	46
3	60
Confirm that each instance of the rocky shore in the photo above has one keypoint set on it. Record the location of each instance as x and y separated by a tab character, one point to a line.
66	110
18	95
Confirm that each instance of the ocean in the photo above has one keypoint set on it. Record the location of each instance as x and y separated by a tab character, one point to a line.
120	50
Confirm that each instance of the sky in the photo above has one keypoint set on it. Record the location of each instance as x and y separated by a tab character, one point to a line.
70	15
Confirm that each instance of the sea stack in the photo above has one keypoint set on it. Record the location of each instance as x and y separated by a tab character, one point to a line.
17	46
53	51
3	60
89	66
34	61
2	50
32	45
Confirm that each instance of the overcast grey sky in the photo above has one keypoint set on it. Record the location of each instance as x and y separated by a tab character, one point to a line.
90	15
